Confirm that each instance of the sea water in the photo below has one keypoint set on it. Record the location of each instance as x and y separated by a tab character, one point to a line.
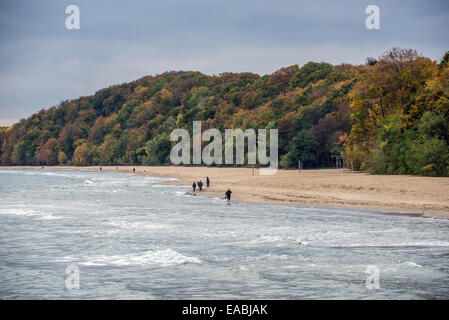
131	237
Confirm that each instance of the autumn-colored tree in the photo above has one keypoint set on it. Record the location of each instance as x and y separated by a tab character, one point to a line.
388	104
378	115
48	153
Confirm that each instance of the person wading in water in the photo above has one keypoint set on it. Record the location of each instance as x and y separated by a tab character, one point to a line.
228	195
194	186
207	182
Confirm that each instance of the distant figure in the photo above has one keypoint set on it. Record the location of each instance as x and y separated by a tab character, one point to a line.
207	182
134	169
116	168
200	185
194	186
42	167
228	195
100	168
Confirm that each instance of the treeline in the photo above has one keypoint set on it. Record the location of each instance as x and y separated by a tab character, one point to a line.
400	116
388	116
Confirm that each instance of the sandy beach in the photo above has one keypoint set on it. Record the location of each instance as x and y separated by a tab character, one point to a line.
390	194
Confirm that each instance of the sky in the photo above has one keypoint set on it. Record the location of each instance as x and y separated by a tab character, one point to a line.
43	63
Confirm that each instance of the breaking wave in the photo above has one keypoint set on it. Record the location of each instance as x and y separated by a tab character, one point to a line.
162	258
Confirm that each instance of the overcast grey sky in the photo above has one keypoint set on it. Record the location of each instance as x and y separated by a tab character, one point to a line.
43	63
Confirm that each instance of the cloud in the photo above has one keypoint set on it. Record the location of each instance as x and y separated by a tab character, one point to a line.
42	63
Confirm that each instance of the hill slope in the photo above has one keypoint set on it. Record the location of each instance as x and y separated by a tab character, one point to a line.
389	116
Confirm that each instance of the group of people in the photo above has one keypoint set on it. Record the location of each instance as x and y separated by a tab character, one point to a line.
200	184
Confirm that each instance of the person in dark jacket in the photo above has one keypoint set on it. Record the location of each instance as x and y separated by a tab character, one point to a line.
200	185
207	182
194	186
228	195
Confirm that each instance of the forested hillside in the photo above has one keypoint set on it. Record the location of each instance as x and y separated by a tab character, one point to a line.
388	116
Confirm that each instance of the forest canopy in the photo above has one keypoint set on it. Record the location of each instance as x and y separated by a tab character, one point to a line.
388	116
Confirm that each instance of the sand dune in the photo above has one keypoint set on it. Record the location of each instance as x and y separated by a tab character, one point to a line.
395	194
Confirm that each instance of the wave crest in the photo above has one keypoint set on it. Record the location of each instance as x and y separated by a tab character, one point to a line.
164	258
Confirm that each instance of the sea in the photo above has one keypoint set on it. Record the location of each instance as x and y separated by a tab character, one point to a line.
72	234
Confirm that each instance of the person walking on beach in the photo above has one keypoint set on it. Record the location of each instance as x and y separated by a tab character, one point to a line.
194	186
207	182
200	185
228	195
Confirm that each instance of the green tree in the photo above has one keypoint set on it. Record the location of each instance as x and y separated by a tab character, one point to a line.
303	148
445	60
159	150
310	72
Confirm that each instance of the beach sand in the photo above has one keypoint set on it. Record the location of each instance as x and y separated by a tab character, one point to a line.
390	194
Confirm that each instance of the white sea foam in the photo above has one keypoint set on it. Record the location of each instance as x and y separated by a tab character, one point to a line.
274	238
162	258
130	232
45	173
138	225
291	267
28	213
265	239
270	256
411	264
239	269
19	212
434	243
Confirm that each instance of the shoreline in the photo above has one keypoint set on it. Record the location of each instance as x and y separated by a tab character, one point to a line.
397	195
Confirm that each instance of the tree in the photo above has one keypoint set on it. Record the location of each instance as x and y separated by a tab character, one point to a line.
370	61
303	148
84	154
158	150
382	116
62	158
445	60
48	153
387	89
310	72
